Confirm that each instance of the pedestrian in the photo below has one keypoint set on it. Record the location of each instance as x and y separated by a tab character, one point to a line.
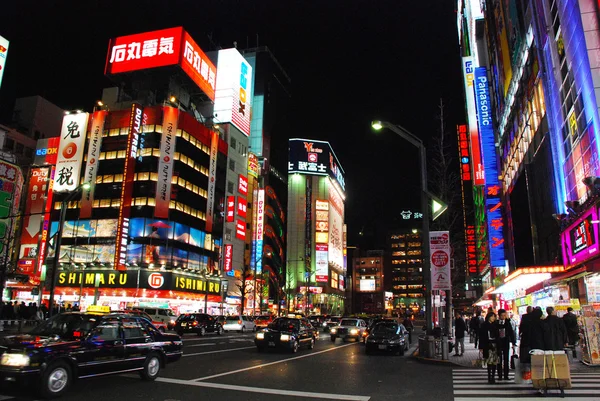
555	332
459	333
475	325
409	326
524	335
488	345
506	337
572	326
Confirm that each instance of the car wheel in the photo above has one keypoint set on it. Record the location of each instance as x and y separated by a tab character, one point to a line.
243	330
332	339
55	380
151	367
295	346
219	330
202	331
311	345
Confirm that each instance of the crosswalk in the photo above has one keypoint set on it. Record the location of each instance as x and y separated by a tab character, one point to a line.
472	384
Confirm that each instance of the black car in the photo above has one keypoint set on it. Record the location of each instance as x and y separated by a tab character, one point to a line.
331	322
199	323
375	321
387	336
287	333
317	321
80	345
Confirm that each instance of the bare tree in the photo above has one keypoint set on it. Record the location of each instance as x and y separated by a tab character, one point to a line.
244	287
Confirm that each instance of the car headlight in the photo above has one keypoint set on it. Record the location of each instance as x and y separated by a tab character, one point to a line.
354	332
285	337
260	336
324	324
14	360
333	331
172	321
395	341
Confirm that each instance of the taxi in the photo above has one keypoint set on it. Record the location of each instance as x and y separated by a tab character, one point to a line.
77	345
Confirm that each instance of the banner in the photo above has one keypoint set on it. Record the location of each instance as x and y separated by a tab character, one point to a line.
135	127
212	178
70	152
260	226
3	53
91	166
439	248
165	162
11	182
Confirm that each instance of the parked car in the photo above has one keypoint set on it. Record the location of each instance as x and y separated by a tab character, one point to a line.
387	336
286	333
332	321
317	321
262	322
76	345
375	321
199	323
165	315
156	323
348	328
239	323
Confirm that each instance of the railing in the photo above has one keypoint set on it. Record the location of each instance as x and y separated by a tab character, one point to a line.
17	325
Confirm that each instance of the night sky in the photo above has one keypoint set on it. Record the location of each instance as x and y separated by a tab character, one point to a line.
350	62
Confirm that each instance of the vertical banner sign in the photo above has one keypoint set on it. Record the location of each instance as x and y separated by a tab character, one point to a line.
70	152
10	188
230	209
464	153
321	241
493	203
165	162
135	128
3	54
469	77
242	206
45	225
243	185
91	166
253	166
439	245
260	227
481	234
471	245
227	260
212	177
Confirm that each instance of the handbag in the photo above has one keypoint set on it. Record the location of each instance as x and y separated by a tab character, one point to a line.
514	359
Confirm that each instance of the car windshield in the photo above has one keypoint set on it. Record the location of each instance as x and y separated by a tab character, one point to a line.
170	312
232	318
335	319
67	326
284	324
263	318
348	322
386	328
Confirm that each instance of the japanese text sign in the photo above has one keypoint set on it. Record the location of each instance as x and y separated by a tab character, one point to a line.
70	152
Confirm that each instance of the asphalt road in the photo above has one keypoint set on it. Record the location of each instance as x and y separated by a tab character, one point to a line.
229	367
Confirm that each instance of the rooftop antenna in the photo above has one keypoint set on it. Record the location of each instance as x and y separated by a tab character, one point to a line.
235	44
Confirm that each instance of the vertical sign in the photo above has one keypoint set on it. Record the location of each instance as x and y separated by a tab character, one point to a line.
45	224
240	230
230	210
439	245
135	127
493	203
3	54
165	162
243	185
464	154
469	77
227	261
11	181
471	245
242	206
91	166
253	166
260	226
70	152
321	240
212	177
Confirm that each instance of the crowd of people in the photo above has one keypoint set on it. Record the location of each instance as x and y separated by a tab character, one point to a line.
495	334
13	310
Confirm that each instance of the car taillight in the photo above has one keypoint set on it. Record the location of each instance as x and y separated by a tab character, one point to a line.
239	322
195	324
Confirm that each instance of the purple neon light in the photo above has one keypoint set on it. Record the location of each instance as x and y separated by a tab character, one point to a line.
569	258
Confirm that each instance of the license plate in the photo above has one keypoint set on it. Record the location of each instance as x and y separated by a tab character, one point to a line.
383	347
271	343
183	324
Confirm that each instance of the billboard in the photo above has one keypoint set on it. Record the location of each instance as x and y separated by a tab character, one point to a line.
253	166
161	48
493	188
240	230
307	156
464	153
580	239
336	228
322	263
233	96
243	185
230	209
46	151
242	206
11	183
228	258
367	285
70	152
260	228
135	129
93	160
469	77
439	246
212	178
3	54
165	162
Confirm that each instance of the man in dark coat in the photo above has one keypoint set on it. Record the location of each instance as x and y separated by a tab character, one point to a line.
524	335
459	332
555	332
572	327
475	325
506	337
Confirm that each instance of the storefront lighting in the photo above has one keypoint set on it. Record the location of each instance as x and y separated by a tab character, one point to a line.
491	289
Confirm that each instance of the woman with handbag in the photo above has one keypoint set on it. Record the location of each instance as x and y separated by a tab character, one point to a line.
488	345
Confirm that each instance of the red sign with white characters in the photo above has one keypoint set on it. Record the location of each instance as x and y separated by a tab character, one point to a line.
242	206
230	209
161	48
227	260
240	230
243	185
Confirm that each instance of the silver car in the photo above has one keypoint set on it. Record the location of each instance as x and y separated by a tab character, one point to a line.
348	328
239	323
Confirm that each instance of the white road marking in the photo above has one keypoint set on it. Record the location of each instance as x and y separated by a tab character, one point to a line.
272	363
201	345
301	394
216	352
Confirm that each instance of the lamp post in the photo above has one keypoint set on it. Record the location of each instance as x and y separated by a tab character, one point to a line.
207	278
61	222
418	143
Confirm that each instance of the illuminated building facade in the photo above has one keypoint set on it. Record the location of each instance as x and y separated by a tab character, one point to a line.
368	283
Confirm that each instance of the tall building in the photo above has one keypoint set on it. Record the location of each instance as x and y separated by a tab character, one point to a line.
367	282
316	272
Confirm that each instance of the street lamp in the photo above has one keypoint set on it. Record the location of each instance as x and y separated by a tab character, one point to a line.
418	143
61	222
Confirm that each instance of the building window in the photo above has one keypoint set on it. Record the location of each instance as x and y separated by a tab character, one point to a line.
9	144
399	253
230	187
414	252
232	166
399	262
414	244
399	236
233	142
19	148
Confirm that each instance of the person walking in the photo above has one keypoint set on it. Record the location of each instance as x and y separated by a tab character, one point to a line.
524	336
459	333
555	332
409	326
488	345
506	337
475	325
570	320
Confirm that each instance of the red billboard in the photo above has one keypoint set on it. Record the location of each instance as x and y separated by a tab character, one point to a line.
227	260
240	230
135	127
230	209
242	206
243	185
166	47
464	153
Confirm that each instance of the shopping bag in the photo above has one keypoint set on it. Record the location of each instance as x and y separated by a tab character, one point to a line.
477	363
514	359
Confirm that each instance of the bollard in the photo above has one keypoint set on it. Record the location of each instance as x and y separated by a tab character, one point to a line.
445	348
423	347
430	346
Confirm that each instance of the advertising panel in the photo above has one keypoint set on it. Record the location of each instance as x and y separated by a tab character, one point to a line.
162	48
260	227
367	285
212	178
230	210
471	248
307	156
342	283
70	152
243	185
336	229
93	160
492	186
46	151
439	245
165	162
11	182
135	129
253	166
580	240
240	230
242	206
477	164
322	263
3	53
228	258
233	97
464	154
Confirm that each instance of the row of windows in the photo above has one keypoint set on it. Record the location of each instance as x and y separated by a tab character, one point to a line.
409	287
406	261
408	279
407	295
241	149
372	261
406	236
158	129
147	176
18	148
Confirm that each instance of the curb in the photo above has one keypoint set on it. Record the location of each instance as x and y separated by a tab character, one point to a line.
432	361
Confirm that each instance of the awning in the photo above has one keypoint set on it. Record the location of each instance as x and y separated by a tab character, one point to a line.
573	274
526	277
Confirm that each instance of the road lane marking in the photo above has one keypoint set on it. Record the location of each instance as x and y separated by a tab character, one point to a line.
200	345
301	394
272	363
216	352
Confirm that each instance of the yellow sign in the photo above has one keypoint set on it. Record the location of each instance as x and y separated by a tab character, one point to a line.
98	309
